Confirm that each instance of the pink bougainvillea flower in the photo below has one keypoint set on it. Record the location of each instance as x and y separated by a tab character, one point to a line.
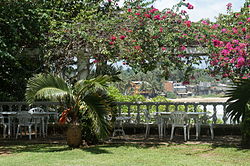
187	23
183	48
242	45
183	11
229	6
189	6
161	29
244	29
111	43
232	60
225	75
217	43
129	10
168	12
248	19
153	10
185	82
137	14
113	38
157	17
235	30
214	62
215	26
225	52
147	15
122	37
163	48
229	46
163	17
224	30
137	47
240	23
235	41
204	22
155	37
240	62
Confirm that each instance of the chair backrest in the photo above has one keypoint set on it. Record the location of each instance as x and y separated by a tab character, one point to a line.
147	115
1	119
178	117
36	109
24	117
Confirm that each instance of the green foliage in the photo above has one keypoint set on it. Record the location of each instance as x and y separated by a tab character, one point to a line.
171	95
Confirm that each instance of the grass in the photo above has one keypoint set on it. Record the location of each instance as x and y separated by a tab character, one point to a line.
123	155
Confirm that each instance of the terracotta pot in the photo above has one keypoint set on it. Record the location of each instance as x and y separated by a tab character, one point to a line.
74	136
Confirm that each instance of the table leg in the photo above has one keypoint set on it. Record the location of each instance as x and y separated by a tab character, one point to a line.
9	134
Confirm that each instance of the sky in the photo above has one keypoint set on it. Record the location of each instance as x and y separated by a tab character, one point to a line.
203	8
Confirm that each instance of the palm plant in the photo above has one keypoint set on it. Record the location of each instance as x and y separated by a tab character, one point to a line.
239	107
86	99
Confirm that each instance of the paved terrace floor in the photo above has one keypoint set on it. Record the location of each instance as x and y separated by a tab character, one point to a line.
228	140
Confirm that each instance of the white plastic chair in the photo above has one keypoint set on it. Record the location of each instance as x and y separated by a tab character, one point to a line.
4	125
204	122
41	121
179	119
150	121
24	120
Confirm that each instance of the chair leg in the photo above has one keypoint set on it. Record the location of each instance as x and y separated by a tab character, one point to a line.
159	130
30	132
36	130
147	130
172	133
18	128
4	130
212	131
185	133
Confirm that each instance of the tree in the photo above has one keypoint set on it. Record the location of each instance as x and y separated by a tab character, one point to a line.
21	45
86	102
227	42
148	38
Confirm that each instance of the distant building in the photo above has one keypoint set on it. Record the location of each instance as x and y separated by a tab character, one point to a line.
168	86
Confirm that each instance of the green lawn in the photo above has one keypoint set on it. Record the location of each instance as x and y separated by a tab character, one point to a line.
123	155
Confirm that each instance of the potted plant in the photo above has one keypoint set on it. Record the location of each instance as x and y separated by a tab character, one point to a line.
85	97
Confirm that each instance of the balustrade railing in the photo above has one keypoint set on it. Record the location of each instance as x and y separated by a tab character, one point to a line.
216	110
136	109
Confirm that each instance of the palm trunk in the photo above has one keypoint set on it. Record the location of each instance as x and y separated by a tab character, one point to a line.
83	65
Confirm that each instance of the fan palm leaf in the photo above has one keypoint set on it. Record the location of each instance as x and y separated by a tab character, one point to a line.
50	87
99	107
239	97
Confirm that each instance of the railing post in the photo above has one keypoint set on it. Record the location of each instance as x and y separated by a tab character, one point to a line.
224	118
214	114
138	114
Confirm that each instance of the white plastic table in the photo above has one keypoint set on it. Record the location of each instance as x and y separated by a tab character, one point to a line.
10	116
163	116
